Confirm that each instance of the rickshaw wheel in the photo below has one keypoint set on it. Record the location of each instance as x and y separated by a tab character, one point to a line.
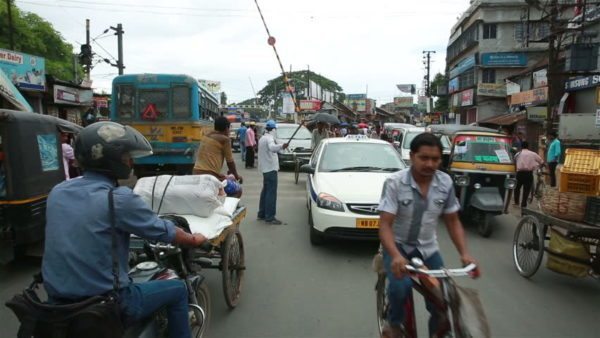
382	302
484	224
528	246
296	170
232	265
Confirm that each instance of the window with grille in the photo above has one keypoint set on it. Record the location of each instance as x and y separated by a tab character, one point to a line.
489	31
126	101
488	76
181	102
158	100
466	79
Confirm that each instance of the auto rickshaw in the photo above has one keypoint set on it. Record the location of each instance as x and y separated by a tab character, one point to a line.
482	166
31	164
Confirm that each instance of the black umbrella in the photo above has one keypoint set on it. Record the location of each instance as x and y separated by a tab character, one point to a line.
325	118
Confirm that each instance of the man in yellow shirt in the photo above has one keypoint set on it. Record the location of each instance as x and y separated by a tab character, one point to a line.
214	149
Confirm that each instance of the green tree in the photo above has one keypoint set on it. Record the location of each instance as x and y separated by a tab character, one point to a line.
36	36
441	104
299	80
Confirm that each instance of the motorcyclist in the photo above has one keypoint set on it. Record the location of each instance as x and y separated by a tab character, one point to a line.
77	261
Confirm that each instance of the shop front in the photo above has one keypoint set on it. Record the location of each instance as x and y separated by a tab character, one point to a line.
70	102
26	73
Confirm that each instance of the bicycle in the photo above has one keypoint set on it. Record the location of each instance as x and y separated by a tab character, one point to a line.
539	186
443	297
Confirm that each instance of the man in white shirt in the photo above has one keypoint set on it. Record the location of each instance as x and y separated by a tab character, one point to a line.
268	165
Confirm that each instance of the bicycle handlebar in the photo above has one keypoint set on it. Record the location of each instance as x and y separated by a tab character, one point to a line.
443	273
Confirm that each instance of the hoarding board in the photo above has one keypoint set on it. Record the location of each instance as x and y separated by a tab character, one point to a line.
504	59
403	101
491	89
464	65
24	70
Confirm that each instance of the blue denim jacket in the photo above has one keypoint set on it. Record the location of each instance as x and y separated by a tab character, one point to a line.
77	259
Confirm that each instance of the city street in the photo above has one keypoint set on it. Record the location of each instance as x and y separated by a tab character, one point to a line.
293	289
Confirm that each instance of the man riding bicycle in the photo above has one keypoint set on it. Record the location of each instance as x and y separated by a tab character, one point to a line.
412	201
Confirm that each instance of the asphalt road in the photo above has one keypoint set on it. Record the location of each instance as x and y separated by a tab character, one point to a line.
293	289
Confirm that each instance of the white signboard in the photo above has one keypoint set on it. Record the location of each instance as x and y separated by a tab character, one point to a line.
503	156
288	103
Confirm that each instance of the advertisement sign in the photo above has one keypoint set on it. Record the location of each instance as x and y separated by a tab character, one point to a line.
211	86
512	87
540	78
288	103
72	96
582	83
403	101
101	102
537	113
12	94
491	89
310	104
504	59
357	105
406	88
24	70
462	66
455	100
453	85
530	97
466	98
356	96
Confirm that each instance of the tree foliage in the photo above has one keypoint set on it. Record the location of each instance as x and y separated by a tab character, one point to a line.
34	35
299	80
441	104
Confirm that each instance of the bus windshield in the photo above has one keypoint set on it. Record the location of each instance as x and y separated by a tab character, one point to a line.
482	149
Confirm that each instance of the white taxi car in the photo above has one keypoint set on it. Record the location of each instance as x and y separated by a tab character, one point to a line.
345	179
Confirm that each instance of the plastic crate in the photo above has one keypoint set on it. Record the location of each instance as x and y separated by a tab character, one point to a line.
592	211
582	161
579	183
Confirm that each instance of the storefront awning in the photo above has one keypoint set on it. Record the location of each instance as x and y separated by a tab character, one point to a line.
12	94
505	119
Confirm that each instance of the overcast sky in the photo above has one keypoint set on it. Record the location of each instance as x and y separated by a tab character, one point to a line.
357	43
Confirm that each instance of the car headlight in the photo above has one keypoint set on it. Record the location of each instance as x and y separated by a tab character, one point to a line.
477	186
510	183
327	201
462	181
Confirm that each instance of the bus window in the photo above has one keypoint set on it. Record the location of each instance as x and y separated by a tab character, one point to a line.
157	99
181	102
126	101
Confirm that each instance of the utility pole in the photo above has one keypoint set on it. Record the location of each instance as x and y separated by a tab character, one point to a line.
119	33
427	56
86	51
10	25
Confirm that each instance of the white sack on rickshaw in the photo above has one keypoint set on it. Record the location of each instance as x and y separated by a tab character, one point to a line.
197	195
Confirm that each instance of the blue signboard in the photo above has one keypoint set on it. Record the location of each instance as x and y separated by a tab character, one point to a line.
453	85
504	59
464	65
24	70
582	82
356	96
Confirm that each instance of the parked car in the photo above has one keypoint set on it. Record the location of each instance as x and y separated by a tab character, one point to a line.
300	146
345	179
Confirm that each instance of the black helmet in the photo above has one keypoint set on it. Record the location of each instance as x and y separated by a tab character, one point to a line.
100	147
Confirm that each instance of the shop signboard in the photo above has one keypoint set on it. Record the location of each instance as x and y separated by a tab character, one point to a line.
72	96
288	104
453	85
403	101
12	94
212	86
310	104
356	96
582	83
504	59
24	70
491	89
462	66
540	78
537	113
357	105
466	98
530	98
512	88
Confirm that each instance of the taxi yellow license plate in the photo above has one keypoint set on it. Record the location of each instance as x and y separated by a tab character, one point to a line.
367	223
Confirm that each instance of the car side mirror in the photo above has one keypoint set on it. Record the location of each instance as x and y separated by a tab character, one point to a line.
307	168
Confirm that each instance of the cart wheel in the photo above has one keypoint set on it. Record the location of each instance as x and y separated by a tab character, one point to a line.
528	246
232	265
296	171
382	302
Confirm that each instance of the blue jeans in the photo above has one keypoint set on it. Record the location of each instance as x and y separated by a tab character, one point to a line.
268	196
400	288
139	301
243	150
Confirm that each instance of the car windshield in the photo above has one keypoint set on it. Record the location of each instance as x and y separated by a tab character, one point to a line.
408	137
287	132
482	149
356	156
